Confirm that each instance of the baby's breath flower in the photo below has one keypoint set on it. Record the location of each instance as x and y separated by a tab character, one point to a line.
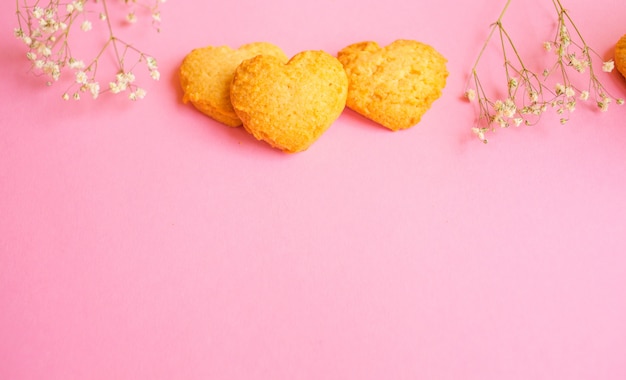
131	17
603	104
470	95
577	64
76	64
81	77
509	108
608	66
38	12
53	70
139	93
126	78
45	51
498	106
584	95
571	106
480	133
94	89
50	13
115	87
559	88
86	26
564	36
48	26
79	5
152	63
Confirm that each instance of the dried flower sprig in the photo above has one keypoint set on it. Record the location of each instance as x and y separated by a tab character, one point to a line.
529	94
47	29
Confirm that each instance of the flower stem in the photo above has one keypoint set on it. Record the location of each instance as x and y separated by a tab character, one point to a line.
495	25
112	37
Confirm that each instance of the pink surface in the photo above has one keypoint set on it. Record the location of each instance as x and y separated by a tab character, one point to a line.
144	241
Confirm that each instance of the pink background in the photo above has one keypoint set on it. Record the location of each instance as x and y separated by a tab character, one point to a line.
145	241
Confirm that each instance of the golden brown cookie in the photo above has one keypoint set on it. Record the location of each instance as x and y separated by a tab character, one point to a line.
393	85
289	105
206	73
620	55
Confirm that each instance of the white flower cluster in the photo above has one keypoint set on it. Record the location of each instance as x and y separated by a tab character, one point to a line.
45	30
529	95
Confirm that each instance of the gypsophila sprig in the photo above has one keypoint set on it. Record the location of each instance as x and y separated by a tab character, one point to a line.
530	93
47	28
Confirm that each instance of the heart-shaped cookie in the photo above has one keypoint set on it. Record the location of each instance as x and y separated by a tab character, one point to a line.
206	74
620	55
393	85
289	105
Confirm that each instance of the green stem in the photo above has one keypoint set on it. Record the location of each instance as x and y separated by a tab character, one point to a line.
497	24
112	37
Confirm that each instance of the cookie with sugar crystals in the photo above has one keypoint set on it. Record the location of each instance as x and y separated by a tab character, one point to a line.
396	84
289	105
620	55
206	74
